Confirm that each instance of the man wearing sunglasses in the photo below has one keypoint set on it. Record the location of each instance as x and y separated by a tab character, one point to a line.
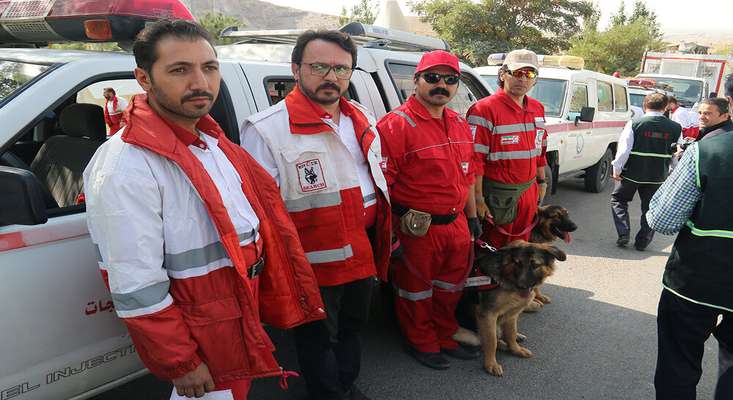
429	166
325	155
510	138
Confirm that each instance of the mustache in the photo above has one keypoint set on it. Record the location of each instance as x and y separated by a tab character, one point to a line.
329	85
197	94
439	90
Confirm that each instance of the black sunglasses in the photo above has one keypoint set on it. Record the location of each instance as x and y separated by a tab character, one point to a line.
433	78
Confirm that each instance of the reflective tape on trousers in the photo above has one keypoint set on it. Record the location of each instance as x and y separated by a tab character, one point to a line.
326	256
638	153
415	296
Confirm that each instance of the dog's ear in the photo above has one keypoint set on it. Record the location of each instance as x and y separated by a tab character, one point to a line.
556	253
489	262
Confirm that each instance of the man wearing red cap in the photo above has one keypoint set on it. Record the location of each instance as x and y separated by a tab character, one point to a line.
429	166
510	138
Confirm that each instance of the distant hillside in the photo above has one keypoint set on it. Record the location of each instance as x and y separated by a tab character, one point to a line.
716	39
262	15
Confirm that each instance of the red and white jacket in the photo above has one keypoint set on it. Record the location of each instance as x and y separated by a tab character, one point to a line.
172	257
320	185
115	117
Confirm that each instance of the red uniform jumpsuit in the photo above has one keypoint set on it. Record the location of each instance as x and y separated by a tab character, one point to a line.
429	166
512	142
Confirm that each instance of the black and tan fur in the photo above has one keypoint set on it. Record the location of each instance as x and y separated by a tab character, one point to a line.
518	268
554	223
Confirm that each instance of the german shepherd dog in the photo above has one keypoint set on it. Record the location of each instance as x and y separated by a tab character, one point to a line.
518	268
554	223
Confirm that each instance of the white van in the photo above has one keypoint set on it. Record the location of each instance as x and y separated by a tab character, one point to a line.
60	337
585	112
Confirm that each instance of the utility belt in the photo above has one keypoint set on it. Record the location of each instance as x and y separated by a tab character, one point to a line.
503	199
416	223
256	268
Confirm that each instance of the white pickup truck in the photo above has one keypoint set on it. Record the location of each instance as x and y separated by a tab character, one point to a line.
60	337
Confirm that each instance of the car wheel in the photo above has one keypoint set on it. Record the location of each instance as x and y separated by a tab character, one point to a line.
598	176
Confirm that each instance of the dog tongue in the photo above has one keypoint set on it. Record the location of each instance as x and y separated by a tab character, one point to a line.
524	293
566	237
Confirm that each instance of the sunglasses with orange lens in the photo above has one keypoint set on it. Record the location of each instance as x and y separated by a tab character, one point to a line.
526	73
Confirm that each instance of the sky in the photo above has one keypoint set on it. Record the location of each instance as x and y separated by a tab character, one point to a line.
675	16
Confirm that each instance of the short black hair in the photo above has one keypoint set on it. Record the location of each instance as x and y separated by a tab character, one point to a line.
672	100
341	39
729	85
144	47
502	70
721	103
656	101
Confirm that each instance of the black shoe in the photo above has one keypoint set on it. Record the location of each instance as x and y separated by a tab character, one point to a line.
462	353
640	246
622	241
356	394
432	360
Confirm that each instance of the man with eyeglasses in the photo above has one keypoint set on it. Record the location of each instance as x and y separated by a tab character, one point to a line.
325	155
510	139
429	165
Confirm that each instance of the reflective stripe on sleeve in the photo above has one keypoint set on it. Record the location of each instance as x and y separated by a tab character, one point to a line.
515	155
415	296
203	256
406	117
513	128
481	148
709	232
141	298
638	153
313	201
326	256
480	121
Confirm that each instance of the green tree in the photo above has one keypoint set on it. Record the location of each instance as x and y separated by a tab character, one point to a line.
724	49
621	46
365	11
215	22
475	30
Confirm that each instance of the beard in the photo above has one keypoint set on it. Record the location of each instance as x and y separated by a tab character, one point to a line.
179	108
317	95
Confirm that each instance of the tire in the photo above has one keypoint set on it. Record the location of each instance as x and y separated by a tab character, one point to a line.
598	176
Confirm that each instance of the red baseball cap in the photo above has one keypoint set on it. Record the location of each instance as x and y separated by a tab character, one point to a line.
437	58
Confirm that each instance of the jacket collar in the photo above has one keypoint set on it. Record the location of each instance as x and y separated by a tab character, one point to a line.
306	117
726	125
146	126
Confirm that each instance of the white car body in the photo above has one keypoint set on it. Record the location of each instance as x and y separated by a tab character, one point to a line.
61	338
584	146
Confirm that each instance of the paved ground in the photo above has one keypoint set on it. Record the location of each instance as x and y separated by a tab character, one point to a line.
597	340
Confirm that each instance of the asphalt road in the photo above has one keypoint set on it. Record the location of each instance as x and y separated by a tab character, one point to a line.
597	340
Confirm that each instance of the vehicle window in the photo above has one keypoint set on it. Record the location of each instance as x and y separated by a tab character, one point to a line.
16	75
636	99
402	75
491	80
278	88
125	89
551	93
605	97
619	97
579	98
687	91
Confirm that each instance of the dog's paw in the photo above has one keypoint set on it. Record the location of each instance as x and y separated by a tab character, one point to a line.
521	337
494	368
533	306
501	345
544	299
466	336
520	351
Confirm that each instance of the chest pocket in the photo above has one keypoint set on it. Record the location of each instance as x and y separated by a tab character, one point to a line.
308	170
432	164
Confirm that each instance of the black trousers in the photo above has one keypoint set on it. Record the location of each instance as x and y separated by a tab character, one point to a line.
682	329
329	351
622	194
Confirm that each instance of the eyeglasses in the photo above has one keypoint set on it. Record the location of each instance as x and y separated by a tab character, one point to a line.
322	70
433	78
523	73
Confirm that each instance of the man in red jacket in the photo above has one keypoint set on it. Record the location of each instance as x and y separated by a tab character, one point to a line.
114	107
429	165
183	218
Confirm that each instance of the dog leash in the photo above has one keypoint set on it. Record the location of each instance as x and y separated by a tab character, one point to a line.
535	221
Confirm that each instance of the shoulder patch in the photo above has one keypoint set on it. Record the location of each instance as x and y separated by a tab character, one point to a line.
264	114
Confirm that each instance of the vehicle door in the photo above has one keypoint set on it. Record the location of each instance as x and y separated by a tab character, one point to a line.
60	336
573	138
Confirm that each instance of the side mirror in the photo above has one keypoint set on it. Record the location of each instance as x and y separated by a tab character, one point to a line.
586	115
21	198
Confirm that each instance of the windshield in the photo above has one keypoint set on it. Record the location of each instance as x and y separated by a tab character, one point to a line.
687	91
15	75
549	92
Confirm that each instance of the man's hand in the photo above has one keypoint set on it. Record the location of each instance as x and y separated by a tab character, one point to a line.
474	226
542	187
616	177
482	210
195	383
